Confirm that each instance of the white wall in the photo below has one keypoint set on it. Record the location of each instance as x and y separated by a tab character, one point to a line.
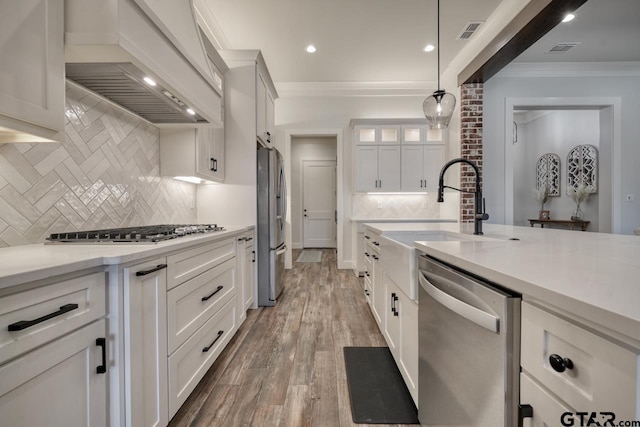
625	88
556	132
305	148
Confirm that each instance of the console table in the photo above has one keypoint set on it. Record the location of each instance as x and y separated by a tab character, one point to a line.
567	222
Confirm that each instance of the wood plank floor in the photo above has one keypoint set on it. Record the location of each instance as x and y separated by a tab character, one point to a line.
285	365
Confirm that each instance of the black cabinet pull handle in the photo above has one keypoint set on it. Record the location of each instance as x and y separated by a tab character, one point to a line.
420	183
393	303
268	133
153	270
366	292
24	324
102	342
218	289
366	254
366	237
524	411
396	312
559	364
376	243
215	165
254	256
248	239
241	239
211	159
375	257
207	348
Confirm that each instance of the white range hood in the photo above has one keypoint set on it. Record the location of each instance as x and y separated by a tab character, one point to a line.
112	45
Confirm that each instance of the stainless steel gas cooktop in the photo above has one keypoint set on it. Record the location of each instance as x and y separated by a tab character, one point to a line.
144	234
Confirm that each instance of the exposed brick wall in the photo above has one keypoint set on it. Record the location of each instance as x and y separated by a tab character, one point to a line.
470	144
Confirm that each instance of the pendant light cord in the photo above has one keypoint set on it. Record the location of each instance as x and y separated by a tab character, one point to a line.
438	30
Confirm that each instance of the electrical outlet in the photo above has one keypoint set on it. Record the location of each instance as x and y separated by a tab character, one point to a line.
630	198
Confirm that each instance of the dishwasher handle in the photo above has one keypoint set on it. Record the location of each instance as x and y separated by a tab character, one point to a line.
469	312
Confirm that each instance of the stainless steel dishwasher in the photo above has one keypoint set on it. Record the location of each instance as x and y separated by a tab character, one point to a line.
469	349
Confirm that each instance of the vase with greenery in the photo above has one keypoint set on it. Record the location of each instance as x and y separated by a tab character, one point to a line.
541	195
579	195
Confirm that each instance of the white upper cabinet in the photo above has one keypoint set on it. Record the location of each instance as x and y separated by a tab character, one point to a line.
401	155
421	166
265	108
32	71
248	73
377	134
377	168
197	154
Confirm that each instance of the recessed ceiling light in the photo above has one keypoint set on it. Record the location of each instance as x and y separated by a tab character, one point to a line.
149	81
310	49
568	17
190	111
429	48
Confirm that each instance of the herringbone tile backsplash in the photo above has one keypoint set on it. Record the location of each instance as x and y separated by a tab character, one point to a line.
106	174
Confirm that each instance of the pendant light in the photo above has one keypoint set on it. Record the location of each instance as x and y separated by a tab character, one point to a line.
438	108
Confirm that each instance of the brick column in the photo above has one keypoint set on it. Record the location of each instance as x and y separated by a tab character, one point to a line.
470	144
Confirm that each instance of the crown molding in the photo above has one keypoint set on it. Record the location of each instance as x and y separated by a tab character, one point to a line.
399	88
571	69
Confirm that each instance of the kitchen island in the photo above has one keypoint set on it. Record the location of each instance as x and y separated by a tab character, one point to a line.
580	321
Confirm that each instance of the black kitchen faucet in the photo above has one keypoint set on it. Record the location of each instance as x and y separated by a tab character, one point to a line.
480	214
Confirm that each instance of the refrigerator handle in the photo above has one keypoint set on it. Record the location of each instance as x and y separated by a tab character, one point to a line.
281	251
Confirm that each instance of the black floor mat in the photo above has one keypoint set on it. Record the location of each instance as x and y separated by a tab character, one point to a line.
376	388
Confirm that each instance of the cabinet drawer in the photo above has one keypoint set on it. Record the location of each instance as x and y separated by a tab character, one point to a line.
188	264
547	410
48	312
190	362
599	366
186	309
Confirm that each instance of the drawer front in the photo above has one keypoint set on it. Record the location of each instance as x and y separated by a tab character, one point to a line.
599	366
191	304
547	410
190	362
49	312
188	264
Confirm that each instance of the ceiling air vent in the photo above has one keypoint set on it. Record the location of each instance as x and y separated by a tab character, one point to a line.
469	30
562	47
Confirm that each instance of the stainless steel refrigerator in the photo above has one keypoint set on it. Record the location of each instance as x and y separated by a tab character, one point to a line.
272	211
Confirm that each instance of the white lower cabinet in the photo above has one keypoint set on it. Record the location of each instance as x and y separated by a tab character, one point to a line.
145	344
401	333
58	384
190	362
547	409
567	365
245	264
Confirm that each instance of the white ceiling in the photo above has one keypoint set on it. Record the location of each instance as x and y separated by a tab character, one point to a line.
607	30
357	40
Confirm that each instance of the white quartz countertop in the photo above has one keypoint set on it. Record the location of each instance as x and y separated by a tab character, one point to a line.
595	276
20	264
412	220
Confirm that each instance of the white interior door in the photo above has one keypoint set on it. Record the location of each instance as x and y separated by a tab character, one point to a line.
319	203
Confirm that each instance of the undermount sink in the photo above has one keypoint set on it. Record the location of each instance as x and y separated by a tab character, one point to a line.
397	253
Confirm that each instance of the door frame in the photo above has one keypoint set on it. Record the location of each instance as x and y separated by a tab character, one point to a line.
338	134
301	195
615	103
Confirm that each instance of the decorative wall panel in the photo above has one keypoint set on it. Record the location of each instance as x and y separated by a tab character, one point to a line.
548	173
582	167
105	174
